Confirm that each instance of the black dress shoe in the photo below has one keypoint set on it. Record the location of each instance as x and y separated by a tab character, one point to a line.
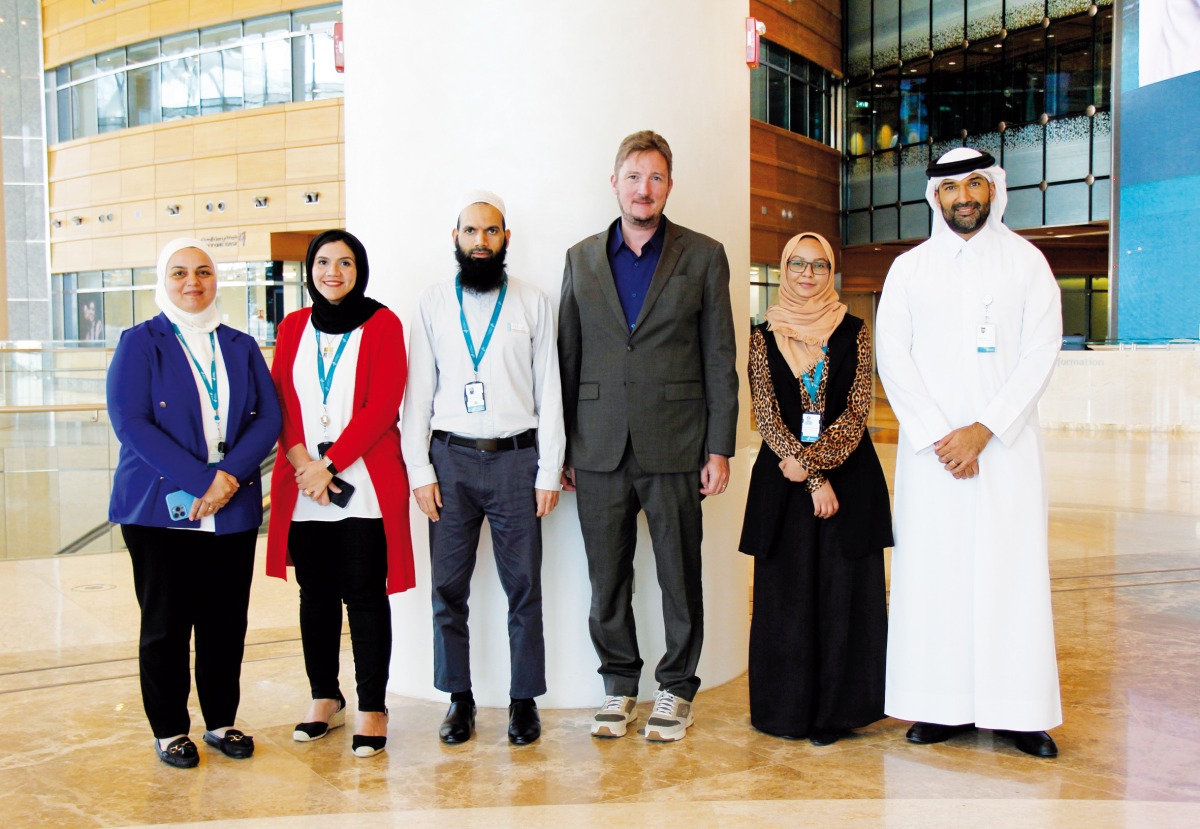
234	744
926	733
827	737
524	724
180	753
1037	743
459	723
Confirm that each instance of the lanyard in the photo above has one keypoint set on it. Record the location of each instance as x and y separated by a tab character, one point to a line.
812	383
211	388
476	359
327	380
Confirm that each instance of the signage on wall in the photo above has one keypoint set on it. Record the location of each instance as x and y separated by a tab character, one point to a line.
229	240
339	48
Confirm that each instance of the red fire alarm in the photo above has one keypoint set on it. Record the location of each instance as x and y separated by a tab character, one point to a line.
339	48
755	29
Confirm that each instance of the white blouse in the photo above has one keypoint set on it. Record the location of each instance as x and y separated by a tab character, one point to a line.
339	407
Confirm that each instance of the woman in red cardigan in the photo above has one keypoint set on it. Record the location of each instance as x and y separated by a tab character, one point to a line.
339	509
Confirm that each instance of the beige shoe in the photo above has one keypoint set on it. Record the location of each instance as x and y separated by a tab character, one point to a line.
614	716
670	718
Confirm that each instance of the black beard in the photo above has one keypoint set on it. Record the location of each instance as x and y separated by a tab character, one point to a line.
969	225
480	276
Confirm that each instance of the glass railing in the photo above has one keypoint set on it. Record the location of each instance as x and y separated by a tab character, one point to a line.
57	451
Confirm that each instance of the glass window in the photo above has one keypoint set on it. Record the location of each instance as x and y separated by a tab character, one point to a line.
180	78
913	181
885	96
798	106
985	18
314	56
267	61
758	93
858	182
885	179
914	105
110	102
947	87
777	98
914	29
858	34
858	119
1024	84
83	109
141	84
83	68
886	34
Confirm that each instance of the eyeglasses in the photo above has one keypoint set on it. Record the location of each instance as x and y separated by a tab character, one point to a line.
799	266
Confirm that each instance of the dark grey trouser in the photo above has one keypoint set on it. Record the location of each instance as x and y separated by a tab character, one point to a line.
498	485
608	506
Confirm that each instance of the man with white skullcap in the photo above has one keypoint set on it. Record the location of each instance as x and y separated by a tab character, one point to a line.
968	331
482	436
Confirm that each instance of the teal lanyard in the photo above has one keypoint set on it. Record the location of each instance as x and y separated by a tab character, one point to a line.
476	359
211	388
327	381
812	382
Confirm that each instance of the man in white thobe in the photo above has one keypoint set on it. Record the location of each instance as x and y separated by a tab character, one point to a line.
968	331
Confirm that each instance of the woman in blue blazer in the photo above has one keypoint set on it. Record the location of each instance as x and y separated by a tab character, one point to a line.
193	405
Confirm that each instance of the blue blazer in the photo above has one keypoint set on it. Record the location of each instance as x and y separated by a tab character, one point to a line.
155	410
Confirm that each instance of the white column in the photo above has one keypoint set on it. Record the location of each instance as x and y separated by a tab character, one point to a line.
530	100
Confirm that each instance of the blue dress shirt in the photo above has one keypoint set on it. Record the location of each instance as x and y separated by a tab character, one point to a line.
632	273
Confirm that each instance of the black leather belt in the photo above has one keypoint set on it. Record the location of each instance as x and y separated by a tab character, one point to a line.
524	440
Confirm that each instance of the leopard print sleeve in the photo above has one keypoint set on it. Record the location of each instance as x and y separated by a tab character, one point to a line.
840	438
766	407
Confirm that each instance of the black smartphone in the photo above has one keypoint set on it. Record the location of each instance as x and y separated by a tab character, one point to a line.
340	498
322	448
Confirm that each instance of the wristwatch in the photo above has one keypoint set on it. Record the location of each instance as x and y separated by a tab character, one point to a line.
332	469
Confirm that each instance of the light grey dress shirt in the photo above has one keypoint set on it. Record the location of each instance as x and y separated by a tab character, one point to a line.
519	372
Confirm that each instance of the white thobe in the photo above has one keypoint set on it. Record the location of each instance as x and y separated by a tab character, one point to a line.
971	633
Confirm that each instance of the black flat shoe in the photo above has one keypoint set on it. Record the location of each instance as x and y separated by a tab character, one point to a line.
827	737
1035	743
234	744
180	753
524	724
459	723
926	733
306	732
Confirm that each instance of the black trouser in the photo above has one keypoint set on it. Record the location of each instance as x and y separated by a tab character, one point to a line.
185	580
344	561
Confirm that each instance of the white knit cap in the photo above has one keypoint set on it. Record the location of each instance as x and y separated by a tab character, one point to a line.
482	197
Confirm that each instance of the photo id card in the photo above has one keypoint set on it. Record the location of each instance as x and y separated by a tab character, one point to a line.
473	394
985	337
810	427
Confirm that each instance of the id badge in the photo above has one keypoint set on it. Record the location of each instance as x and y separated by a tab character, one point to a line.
473	394
216	453
810	427
985	337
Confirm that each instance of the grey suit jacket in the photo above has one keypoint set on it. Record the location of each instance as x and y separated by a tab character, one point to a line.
670	386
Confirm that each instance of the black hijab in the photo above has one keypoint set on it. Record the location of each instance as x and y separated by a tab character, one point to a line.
356	307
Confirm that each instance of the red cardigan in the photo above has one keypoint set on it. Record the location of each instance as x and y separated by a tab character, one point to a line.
372	434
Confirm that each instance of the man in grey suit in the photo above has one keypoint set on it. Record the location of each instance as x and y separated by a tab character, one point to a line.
647	355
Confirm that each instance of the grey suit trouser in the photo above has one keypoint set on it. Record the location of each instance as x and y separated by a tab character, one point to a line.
608	506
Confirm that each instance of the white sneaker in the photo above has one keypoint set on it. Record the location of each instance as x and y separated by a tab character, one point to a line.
614	716
670	718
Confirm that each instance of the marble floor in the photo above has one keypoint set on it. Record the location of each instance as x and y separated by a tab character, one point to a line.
1125	541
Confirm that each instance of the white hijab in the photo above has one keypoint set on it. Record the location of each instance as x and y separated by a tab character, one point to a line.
197	323
995	174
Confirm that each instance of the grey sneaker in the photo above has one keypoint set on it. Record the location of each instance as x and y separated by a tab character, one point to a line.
670	718
614	716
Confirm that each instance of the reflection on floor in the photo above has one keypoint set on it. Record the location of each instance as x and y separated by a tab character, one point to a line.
75	749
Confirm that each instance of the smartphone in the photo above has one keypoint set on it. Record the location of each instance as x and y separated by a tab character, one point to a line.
179	505
340	498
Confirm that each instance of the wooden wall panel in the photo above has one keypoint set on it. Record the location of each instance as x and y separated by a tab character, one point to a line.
73	29
794	186
135	174
812	28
